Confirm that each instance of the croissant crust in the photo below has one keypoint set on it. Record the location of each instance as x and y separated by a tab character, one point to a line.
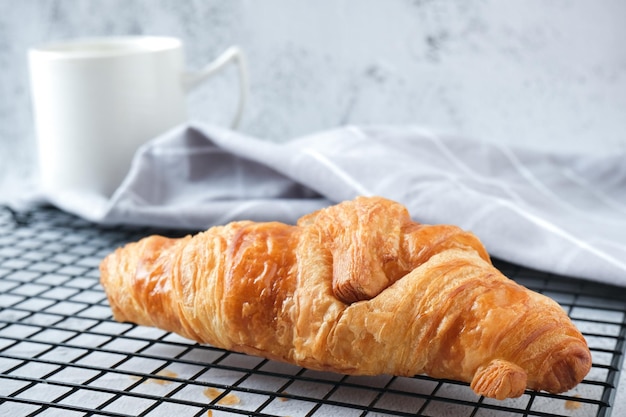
356	288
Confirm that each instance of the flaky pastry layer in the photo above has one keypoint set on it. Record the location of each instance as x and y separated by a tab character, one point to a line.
357	288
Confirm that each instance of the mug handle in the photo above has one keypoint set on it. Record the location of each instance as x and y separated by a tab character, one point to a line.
193	79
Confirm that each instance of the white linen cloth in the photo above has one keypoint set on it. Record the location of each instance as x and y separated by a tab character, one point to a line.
563	213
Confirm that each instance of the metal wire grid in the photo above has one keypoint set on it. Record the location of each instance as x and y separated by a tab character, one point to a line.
62	354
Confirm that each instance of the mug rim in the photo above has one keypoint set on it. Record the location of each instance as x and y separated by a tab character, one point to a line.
106	46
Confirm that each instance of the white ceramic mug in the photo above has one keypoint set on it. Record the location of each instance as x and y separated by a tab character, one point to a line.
97	100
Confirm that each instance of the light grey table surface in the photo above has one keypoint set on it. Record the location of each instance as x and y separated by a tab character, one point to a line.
549	75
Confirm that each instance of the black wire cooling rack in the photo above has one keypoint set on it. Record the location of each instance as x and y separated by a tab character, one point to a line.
62	354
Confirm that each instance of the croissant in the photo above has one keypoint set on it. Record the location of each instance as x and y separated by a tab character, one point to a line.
356	288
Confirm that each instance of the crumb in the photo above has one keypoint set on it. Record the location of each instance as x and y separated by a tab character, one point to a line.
168	373
209	413
158	381
163	372
212	393
573	405
229	399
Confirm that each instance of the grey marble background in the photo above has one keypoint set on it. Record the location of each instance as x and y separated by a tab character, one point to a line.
549	74
543	74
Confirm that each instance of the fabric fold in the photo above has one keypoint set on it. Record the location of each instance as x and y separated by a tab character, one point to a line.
563	213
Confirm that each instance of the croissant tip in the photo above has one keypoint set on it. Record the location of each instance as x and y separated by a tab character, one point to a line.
569	368
500	379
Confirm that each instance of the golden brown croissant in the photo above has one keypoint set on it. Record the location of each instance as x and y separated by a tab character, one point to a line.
357	288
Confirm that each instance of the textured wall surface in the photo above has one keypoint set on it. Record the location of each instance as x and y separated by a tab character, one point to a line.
543	74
